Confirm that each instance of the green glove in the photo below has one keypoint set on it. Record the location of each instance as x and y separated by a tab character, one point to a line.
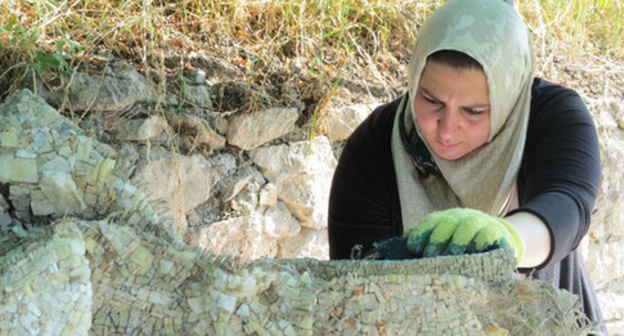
458	231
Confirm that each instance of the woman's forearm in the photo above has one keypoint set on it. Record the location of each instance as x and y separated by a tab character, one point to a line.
537	238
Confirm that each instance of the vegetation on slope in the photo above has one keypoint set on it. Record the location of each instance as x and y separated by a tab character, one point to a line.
310	50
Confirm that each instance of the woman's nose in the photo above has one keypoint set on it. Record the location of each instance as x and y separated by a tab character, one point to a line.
448	125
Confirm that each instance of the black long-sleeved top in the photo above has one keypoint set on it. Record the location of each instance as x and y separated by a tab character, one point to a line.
558	181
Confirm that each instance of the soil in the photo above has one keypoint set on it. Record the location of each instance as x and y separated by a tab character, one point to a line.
241	84
593	77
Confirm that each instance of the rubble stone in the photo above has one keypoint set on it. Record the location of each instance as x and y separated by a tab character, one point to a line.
250	131
302	174
343	121
118	268
142	129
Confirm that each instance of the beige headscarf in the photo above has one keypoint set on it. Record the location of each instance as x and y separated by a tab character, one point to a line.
494	34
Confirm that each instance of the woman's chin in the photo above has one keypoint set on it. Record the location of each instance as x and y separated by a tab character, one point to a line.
449	152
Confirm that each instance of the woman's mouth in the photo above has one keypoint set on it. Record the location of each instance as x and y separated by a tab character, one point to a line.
447	145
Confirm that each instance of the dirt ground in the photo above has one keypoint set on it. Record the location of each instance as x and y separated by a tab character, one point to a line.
292	84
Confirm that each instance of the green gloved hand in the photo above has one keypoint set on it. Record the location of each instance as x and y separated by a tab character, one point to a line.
457	231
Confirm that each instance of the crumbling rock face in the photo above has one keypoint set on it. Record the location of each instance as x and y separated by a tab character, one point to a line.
117	87
109	265
282	211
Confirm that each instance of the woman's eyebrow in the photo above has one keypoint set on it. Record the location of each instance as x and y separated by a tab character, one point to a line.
473	106
478	106
426	92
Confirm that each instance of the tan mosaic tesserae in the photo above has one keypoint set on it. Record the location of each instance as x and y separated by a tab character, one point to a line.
84	254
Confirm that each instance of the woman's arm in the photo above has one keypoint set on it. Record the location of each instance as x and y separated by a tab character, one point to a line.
559	178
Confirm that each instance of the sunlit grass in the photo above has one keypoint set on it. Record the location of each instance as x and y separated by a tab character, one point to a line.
591	26
326	39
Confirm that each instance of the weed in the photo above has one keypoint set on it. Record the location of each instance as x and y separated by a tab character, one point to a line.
319	113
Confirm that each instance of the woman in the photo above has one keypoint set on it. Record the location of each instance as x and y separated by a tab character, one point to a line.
475	130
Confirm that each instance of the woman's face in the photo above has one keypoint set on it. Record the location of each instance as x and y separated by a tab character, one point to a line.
452	108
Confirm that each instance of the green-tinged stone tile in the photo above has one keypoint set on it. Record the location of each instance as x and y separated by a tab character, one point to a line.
9	139
83	148
22	108
106	169
24	170
57	164
25	154
90	200
62	192
40	205
17	191
49	136
65	151
6	162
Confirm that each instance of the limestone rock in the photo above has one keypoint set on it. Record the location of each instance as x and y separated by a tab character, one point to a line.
197	76
198	95
114	91
302	173
241	236
268	195
309	243
604	262
611	304
127	159
142	129
245	177
234	187
61	194
249	131
343	121
609	212
198	129
181	182
603	247
280	223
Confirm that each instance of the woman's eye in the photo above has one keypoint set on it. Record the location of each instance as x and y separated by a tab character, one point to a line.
432	100
473	112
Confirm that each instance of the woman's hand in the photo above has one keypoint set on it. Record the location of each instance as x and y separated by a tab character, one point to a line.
458	231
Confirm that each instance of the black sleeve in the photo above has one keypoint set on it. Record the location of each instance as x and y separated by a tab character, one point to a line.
363	202
559	178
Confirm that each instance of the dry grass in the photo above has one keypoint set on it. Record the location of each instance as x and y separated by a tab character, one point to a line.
306	49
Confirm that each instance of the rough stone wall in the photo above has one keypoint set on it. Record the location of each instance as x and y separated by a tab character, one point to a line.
115	267
214	193
603	247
